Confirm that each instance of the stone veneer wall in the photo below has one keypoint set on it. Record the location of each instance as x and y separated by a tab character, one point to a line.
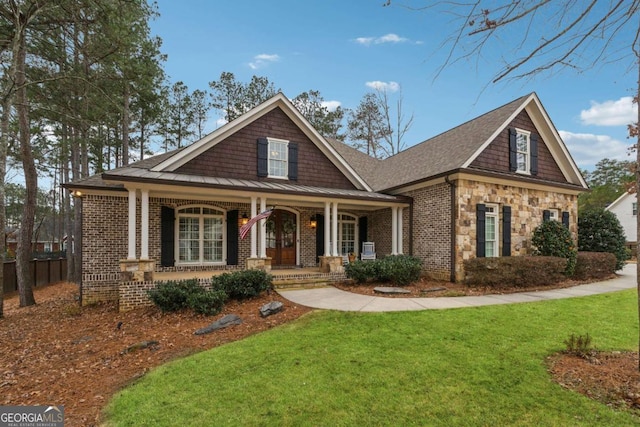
432	229
527	206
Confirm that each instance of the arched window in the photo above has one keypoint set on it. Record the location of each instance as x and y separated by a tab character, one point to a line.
201	235
347	236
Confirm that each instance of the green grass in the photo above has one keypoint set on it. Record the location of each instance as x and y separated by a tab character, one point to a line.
467	367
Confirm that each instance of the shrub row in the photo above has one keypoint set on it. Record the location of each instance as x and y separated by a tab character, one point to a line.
178	295
595	265
521	271
528	271
398	269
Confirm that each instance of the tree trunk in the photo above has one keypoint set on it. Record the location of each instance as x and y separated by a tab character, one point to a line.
23	255
4	143
125	125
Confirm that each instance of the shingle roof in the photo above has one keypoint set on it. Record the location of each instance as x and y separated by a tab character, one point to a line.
445	152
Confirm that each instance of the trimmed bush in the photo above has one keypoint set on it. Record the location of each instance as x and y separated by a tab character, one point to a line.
244	284
521	271
595	265
552	238
173	295
600	231
399	269
208	303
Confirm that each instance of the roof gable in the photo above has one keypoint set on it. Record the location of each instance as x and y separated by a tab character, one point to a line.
457	148
175	162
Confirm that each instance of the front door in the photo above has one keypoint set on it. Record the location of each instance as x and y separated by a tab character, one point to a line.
281	238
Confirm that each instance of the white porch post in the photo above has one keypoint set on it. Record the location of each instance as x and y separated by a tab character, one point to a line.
144	226
131	252
334	230
394	230
254	230
263	229
327	228
400	233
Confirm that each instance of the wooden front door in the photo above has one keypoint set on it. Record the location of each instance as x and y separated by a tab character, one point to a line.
281	237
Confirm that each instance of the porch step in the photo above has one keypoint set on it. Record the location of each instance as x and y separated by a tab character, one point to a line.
291	283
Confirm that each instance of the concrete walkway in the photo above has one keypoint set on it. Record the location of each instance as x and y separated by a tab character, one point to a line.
335	299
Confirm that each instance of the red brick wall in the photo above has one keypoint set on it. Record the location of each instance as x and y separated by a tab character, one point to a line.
236	157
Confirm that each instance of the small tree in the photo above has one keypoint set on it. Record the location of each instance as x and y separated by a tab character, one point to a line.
551	238
600	231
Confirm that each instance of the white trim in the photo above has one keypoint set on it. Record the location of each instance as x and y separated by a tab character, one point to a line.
286	160
394	231
400	234
334	229
279	100
527	166
354	221
144	226
496	215
548	133
222	214
327	228
131	249
262	228
254	231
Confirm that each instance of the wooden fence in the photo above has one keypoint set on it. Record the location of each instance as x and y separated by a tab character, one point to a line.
43	271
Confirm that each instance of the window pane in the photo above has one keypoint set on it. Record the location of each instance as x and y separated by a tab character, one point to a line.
278	153
347	236
522	162
490	236
189	237
212	240
522	143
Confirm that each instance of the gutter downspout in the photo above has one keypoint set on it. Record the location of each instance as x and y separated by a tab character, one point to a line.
452	196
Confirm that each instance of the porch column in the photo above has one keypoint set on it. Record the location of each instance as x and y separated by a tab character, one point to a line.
144	225
394	230
400	234
131	252
327	228
334	230
254	230
263	229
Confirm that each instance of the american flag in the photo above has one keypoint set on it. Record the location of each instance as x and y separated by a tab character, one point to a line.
244	230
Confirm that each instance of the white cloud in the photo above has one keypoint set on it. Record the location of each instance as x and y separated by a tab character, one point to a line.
383	86
387	38
262	60
610	113
331	105
587	149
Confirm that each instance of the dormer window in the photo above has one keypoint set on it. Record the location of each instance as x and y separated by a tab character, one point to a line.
278	158
523	150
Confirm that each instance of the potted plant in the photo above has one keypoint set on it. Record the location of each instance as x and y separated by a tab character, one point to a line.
352	256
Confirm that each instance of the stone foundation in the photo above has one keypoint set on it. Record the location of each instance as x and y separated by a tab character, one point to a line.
136	270
259	264
331	264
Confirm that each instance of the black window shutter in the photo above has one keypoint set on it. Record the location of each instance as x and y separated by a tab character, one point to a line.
232	237
167	236
362	231
534	153
506	231
319	237
565	219
293	161
546	215
263	157
480	231
513	151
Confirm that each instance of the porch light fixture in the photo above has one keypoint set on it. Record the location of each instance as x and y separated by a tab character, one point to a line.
76	193
313	222
245	219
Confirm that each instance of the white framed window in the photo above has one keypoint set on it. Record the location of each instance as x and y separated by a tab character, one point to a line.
347	236
554	215
201	235
278	158
523	151
492	230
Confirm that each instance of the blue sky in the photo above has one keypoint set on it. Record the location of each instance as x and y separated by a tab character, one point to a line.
343	49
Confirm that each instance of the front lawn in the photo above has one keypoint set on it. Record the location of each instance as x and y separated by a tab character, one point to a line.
475	366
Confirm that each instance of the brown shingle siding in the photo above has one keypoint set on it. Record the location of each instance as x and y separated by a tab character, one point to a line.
236	157
495	157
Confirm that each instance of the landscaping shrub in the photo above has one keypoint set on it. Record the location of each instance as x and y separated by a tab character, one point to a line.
600	231
520	271
552	238
173	295
208	303
360	271
399	269
595	265
579	345
244	284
